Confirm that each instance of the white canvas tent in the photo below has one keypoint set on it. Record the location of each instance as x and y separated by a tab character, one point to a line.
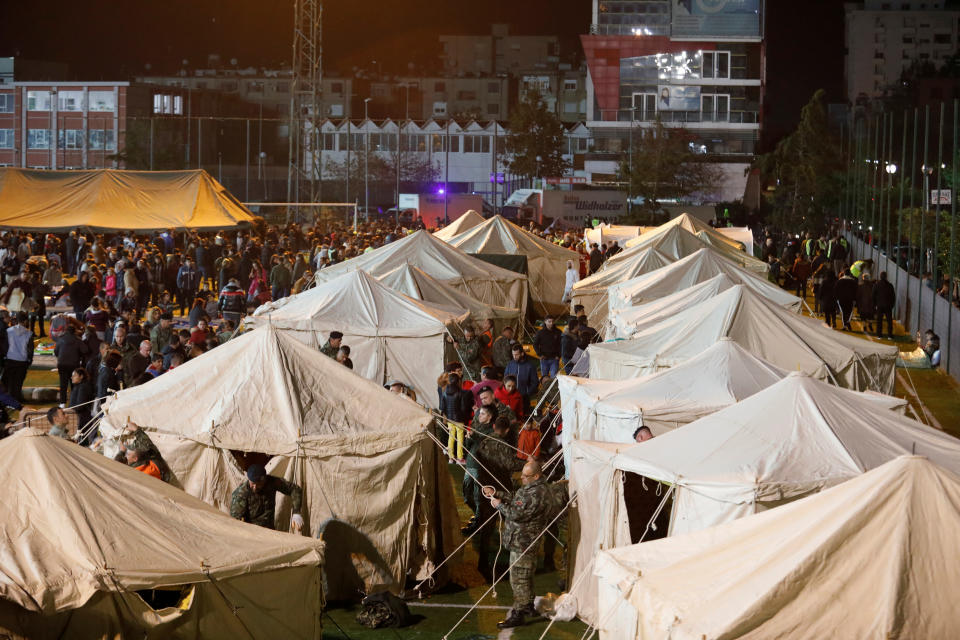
743	235
546	262
468	220
782	338
695	226
391	336
419	285
362	454
688	271
870	558
794	438
483	281
624	322
591	292
82	535
606	233
610	411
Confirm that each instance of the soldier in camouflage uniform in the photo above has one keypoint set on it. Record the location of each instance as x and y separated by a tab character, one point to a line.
134	438
254	501
497	461
470	352
526	513
332	345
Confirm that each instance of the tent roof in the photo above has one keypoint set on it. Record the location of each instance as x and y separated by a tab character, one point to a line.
266	391
75	522
695	268
363	304
499	235
882	536
695	226
106	199
468	220
420	249
645	261
720	376
678	242
419	285
773	333
796	436
626	321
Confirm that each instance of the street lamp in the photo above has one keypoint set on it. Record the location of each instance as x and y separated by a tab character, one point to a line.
891	169
539	160
366	161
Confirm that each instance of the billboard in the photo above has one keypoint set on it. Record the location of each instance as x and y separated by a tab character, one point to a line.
716	18
678	98
577	206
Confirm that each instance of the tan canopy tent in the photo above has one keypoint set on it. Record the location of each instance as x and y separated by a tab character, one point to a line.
593	290
468	220
871	558
391	336
546	262
105	199
694	225
82	535
489	283
362	454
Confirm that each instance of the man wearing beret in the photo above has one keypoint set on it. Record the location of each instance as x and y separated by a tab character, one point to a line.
255	499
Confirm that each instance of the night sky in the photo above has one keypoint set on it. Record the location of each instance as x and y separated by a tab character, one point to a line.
115	40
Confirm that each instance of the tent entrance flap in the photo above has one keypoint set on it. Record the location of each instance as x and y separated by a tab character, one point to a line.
642	497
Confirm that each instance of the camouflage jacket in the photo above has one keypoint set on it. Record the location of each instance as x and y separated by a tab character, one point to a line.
257	508
138	440
502	410
328	350
527	512
470	353
497	462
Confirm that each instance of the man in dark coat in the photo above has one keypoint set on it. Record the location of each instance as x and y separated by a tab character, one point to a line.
884	298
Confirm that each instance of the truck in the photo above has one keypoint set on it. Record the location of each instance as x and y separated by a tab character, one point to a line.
430	207
571	208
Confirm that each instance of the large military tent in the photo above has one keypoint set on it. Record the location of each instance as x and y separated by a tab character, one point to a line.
391	336
794	438
694	225
419	285
688	271
743	235
106	199
607	233
610	411
871	558
468	220
591	292
546	262
783	338
624	322
86	540
489	283
362	454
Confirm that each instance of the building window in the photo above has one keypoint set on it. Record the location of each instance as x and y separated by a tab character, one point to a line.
178	105
230	85
282	87
70	101
439	108
436	142
38	138
336	110
102	101
6	102
493	109
715	107
570	107
570	84
102	140
6	138
413	142
716	64
336	88
440	87
493	87
466	95
70	139
941	38
910	23
645	106
907	39
38	101
255	86
328	142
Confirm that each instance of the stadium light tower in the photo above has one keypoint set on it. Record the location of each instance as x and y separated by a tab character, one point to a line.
303	173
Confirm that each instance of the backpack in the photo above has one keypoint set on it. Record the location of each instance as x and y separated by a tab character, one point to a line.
384	609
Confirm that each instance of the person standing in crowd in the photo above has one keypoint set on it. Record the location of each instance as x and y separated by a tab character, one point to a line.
232	302
280	279
510	397
801	271
569	343
188	280
255	500
525	373
845	290
469	351
572	276
596	258
70	352
81	293
828	298
81	401
884	299
19	356
865	302
546	343
488	378
503	348
456	404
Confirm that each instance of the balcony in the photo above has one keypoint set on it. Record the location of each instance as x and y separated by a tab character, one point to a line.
680	117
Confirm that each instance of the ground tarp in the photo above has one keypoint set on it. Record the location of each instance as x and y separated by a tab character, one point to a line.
546	262
448	264
391	336
783	338
107	199
361	453
871	558
83	534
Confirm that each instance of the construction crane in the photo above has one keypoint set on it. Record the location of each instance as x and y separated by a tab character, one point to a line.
303	174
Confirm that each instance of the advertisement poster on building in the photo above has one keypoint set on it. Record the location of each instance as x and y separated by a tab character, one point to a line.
678	98
698	18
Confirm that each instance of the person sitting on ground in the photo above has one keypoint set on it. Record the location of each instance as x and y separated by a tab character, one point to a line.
200	333
254	501
226	331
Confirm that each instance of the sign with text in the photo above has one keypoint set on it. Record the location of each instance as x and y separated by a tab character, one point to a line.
566	180
943	196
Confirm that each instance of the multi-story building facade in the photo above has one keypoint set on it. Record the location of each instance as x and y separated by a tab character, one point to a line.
498	53
697	64
883	39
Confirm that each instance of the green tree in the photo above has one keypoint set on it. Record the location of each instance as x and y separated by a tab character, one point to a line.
664	166
536	141
806	169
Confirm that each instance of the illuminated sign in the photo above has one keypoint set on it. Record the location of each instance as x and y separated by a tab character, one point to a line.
716	18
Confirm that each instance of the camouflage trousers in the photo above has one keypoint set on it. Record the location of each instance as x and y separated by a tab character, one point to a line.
523	566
